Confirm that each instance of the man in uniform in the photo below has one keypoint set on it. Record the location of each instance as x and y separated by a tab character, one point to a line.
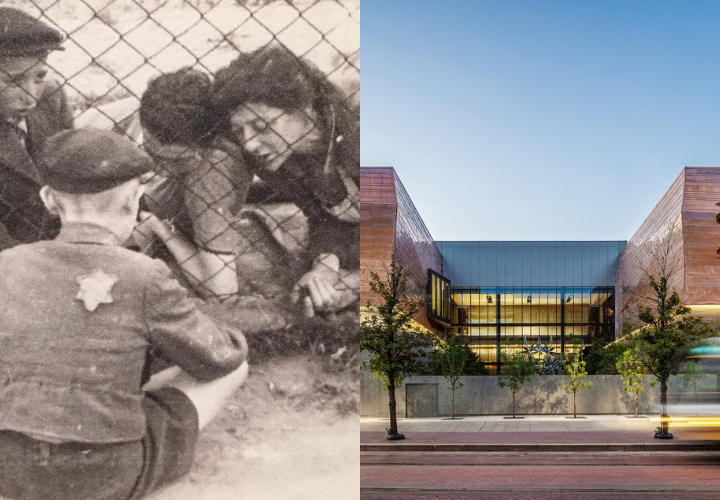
32	108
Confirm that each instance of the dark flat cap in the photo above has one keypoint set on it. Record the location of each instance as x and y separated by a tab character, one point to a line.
91	160
22	34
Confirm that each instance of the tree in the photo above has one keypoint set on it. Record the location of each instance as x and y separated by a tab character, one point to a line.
668	332
576	372
633	374
517	369
453	358
388	335
692	376
473	364
602	356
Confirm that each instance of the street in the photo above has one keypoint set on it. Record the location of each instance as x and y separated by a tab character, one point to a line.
538	475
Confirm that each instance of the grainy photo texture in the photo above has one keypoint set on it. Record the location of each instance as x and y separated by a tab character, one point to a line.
179	226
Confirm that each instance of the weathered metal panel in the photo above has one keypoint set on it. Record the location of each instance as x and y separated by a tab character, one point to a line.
688	209
389	222
701	235
664	223
415	248
378	214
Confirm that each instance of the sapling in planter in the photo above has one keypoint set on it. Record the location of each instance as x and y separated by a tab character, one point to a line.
517	368
576	372
633	374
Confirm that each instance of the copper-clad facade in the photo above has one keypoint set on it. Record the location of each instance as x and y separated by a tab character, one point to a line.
378	218
389	222
682	227
560	288
701	235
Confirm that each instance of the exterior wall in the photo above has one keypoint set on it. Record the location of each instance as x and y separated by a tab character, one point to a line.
531	263
542	396
415	248
684	219
378	214
684	215
701	235
662	226
389	222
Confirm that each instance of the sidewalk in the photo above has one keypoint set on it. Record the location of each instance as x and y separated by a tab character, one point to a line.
535	433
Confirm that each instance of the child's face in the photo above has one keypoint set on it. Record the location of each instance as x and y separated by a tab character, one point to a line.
272	134
21	83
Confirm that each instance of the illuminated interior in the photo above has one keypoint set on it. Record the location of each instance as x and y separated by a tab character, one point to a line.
489	316
439	305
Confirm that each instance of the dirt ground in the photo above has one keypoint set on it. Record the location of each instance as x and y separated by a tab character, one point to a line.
291	433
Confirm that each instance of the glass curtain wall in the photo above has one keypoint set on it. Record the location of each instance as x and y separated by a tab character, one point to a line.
439	306
551	315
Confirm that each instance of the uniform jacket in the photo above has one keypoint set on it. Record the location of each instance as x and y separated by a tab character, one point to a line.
70	373
21	210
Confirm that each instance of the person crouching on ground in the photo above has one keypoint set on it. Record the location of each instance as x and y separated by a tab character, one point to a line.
81	316
297	235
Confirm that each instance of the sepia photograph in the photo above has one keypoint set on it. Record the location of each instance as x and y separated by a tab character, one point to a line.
179	249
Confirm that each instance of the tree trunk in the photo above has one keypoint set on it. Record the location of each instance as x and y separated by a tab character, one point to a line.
574	404
663	407
393	404
513	404
637	396
452	411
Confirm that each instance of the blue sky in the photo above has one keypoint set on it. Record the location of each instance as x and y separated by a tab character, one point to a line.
539	120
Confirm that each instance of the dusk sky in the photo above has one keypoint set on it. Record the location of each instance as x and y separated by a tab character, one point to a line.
539	120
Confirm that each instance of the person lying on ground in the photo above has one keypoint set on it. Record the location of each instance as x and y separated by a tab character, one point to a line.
80	415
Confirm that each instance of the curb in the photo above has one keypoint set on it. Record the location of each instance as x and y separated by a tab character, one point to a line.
543	447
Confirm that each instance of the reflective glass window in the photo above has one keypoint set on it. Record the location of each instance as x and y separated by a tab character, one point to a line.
548	314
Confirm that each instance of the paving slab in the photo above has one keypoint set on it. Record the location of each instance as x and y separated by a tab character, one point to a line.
535	433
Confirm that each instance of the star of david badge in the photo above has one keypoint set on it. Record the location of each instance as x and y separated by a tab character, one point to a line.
95	289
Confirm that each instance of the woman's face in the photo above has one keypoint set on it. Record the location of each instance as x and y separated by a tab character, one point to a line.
273	134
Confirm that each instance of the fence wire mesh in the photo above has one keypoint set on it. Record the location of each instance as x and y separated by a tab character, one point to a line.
250	111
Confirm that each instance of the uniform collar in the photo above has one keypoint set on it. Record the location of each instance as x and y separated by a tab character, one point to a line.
81	232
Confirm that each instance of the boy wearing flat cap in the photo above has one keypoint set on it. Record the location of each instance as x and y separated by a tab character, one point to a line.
32	108
80	317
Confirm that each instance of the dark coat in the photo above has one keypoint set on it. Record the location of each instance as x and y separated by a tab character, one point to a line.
314	188
314	185
63	363
21	210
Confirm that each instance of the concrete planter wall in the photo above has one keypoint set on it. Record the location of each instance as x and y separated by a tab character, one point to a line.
542	396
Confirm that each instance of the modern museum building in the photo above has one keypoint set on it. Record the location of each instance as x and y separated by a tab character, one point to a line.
543	291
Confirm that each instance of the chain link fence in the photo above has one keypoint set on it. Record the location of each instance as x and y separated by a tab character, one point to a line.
250	110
